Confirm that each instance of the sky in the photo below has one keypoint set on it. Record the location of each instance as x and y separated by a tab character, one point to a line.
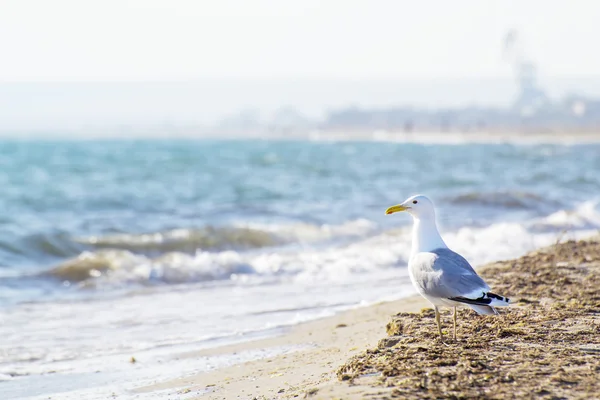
285	41
61	40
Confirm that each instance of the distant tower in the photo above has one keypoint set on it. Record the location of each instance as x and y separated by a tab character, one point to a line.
531	97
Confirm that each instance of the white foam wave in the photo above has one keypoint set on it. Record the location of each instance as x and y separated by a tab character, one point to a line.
586	216
335	262
117	266
183	239
309	233
239	237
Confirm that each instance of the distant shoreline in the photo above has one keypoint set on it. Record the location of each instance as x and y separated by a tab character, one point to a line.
486	137
351	135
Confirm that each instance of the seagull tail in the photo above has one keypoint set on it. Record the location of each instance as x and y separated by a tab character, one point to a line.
484	310
487	299
497	300
485	304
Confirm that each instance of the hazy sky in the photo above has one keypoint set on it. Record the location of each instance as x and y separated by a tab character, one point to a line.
372	53
183	39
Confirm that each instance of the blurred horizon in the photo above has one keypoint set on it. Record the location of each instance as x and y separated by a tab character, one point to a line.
54	107
116	67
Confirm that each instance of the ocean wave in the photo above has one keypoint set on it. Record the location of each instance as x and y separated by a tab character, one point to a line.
241	237
183	255
184	240
335	262
121	267
52	246
586	216
502	199
310	233
44	247
368	252
41	245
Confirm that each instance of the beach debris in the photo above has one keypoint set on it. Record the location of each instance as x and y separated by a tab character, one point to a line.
538	349
389	342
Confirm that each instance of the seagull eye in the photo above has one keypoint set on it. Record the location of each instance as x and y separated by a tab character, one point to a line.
415	202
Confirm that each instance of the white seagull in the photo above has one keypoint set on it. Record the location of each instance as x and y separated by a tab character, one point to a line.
440	275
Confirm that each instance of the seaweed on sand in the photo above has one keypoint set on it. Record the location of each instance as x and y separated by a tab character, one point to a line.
546	345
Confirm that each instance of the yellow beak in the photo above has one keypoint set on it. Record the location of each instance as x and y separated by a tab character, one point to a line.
396	208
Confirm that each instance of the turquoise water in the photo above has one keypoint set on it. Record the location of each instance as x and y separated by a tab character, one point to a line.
55	193
180	243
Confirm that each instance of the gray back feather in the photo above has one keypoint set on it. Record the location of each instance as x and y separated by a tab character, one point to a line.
443	273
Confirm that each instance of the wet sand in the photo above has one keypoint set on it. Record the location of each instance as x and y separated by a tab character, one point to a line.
546	345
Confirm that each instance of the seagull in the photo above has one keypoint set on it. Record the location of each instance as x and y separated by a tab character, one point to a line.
440	275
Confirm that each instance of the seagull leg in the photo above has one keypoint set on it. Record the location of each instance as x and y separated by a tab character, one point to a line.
439	324
454	318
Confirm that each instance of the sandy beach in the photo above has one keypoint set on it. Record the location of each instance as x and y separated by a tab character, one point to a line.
546	345
260	268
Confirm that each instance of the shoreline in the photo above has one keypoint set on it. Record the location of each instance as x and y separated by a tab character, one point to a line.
320	349
565	137
320	346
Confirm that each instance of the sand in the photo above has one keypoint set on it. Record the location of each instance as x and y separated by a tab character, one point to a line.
546	345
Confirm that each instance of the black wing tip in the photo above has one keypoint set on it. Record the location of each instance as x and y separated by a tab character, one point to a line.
482	301
498	297
485	300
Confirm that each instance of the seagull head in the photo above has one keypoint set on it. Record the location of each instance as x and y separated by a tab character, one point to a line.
418	206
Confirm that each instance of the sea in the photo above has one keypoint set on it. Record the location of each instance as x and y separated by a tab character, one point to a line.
119	256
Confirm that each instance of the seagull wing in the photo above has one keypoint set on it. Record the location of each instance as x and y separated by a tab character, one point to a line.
445	274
